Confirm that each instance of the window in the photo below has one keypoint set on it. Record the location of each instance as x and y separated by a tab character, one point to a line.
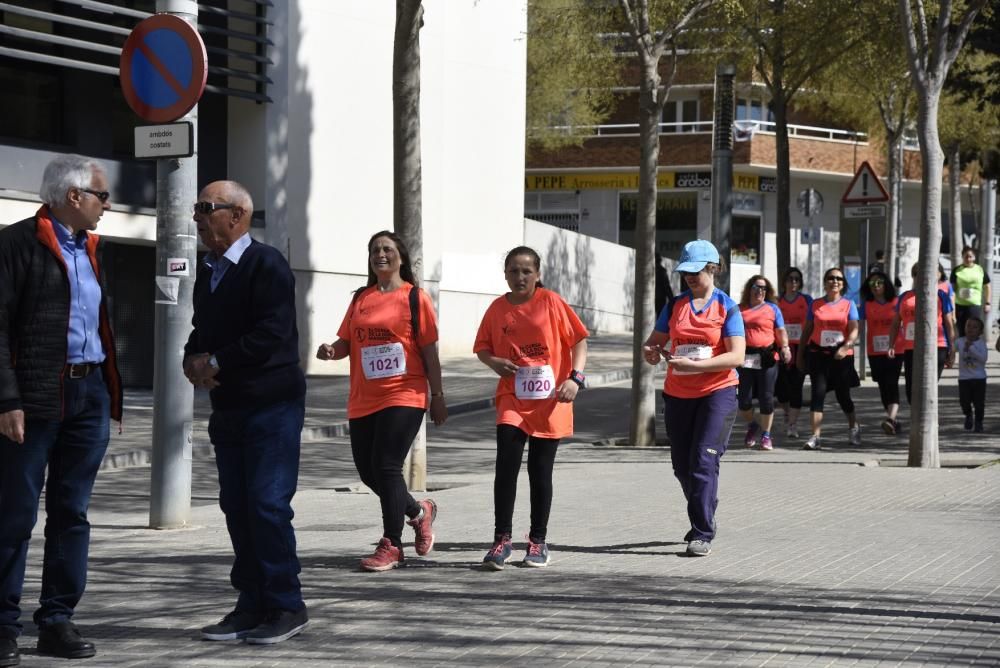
676	220
752	110
678	112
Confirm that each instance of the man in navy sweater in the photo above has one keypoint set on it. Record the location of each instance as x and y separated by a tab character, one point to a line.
244	348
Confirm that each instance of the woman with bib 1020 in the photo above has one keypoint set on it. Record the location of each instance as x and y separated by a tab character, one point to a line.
535	342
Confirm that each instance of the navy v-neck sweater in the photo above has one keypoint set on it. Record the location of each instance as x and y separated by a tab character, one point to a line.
248	323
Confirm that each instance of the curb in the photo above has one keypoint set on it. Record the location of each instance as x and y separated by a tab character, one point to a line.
143	457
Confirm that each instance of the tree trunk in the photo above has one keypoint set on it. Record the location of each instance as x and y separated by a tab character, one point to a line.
955	208
642	424
407	180
924	409
895	141
782	220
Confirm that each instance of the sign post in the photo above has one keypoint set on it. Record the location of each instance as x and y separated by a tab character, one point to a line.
864	199
163	69
810	203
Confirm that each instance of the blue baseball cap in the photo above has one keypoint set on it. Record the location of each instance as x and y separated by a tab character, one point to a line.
696	255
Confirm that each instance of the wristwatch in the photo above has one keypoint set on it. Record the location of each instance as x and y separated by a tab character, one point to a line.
214	363
577	378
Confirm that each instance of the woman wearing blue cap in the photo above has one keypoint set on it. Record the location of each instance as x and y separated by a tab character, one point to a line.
704	330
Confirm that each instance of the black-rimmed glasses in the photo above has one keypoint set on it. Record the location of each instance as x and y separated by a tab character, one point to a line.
206	208
759	288
102	195
835	278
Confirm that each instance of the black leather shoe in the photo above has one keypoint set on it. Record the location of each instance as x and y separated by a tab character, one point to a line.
9	656
65	641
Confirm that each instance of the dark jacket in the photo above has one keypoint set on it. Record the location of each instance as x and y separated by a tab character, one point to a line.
248	323
34	320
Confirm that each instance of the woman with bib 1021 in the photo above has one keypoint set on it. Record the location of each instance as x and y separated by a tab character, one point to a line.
390	334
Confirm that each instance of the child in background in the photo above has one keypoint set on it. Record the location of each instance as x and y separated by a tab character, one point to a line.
972	373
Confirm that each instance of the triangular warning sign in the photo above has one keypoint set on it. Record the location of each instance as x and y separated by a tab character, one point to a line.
865	187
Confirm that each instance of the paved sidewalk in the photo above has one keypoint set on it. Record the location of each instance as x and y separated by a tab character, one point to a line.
820	560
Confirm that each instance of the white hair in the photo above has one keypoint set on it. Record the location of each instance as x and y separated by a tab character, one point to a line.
65	173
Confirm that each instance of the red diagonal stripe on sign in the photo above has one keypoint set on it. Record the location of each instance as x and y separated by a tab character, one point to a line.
161	68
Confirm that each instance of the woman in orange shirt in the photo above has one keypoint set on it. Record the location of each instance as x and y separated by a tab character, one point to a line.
393	359
534	341
828	354
878	308
764	329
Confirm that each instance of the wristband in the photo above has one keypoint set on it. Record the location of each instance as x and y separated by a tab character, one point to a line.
577	377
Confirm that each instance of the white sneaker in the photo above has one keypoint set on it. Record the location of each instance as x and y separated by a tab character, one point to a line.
855	435
812	443
791	431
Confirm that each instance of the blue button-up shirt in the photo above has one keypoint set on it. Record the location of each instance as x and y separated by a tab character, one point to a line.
232	256
84	341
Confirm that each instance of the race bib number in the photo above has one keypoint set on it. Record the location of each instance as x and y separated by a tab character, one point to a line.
965	293
752	361
383	361
830	337
911	331
880	344
692	352
534	382
794	332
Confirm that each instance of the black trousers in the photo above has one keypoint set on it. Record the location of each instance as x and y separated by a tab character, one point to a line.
972	394
541	459
942	354
885	372
379	443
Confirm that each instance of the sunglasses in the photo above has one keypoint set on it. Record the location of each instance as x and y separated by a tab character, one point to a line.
102	195
876	282
759	288
835	278
206	208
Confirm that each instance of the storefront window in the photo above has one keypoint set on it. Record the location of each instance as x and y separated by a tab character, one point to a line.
676	220
745	240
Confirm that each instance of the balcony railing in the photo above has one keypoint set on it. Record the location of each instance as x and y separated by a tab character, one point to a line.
705	127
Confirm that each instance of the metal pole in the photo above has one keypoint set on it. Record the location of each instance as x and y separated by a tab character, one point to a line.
173	395
809	259
722	169
986	260
862	336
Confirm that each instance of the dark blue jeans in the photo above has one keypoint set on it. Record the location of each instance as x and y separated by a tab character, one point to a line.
257	454
72	449
699	432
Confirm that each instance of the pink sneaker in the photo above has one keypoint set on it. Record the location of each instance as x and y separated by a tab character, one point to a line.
387	556
750	439
423	542
765	442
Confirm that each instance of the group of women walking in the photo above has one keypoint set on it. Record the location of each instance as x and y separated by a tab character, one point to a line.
720	355
529	337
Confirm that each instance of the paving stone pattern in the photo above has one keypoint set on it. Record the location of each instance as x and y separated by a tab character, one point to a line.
828	558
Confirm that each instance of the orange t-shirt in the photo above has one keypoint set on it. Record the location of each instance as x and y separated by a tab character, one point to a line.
539	333
878	317
387	368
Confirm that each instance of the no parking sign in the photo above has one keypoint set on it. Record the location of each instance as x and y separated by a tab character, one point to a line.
163	68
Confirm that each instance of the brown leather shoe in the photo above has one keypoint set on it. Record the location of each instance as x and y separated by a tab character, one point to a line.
63	640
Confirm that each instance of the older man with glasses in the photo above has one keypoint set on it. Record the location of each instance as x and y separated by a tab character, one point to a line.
244	348
59	387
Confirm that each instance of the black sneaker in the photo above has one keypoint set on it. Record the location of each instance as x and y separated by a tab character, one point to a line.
968	423
9	654
277	626
237	624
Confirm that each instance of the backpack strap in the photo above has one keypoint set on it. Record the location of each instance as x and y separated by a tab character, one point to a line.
415	313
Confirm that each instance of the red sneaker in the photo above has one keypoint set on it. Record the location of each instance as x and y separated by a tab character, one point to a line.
387	556
423	542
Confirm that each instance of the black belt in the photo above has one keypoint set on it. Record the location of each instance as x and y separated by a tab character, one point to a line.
76	371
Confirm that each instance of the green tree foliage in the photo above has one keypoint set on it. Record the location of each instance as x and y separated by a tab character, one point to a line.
790	43
571	72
